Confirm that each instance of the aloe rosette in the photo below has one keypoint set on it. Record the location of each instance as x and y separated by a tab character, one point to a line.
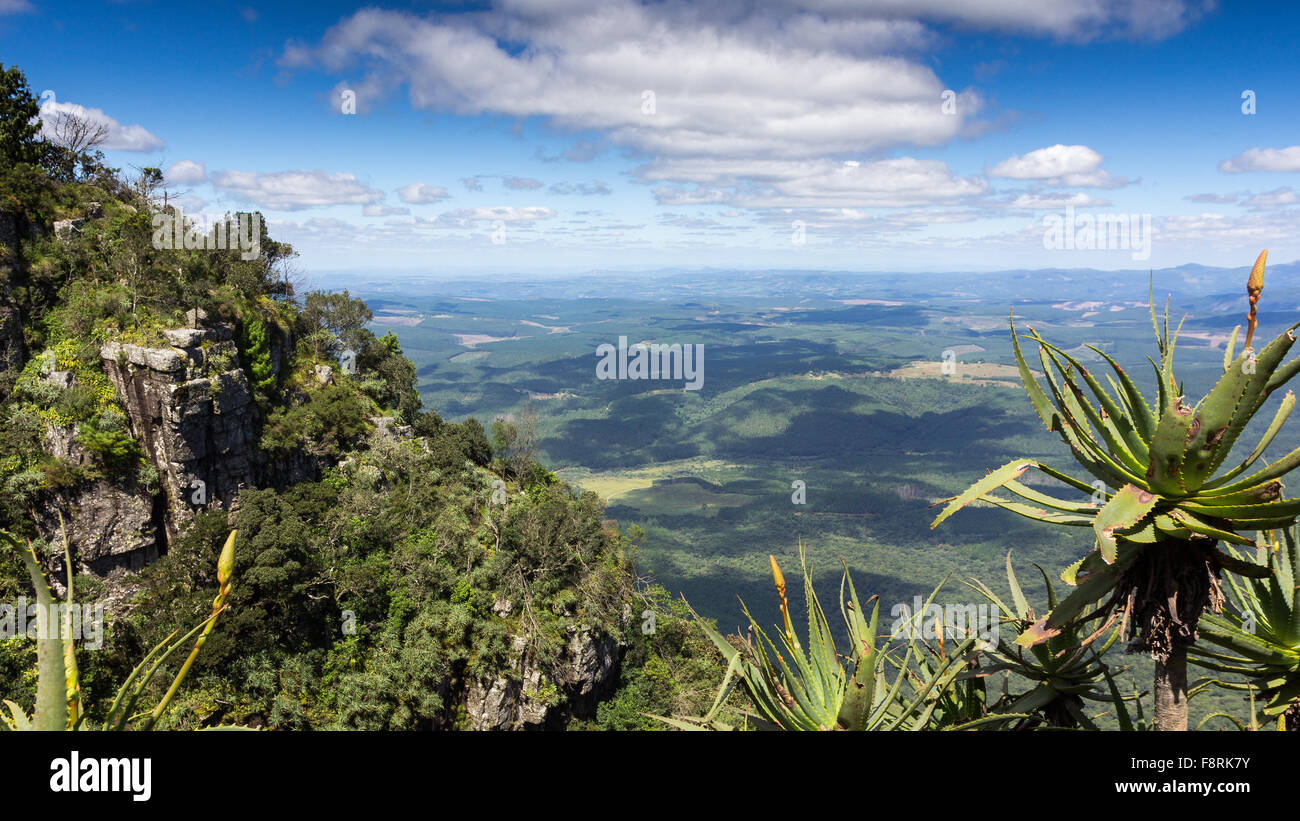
1156	549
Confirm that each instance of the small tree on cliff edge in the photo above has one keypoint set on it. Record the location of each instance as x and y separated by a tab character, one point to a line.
1156	553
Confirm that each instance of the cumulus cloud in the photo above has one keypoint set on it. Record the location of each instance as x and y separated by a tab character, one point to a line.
736	103
417	193
1263	159
717	88
120	137
295	190
186	172
1073	165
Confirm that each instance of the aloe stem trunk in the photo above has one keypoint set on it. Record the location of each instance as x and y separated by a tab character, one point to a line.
1171	690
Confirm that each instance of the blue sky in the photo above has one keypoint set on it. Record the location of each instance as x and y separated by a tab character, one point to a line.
518	137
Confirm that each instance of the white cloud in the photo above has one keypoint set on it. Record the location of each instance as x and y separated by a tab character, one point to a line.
381	210
15	7
1263	159
186	172
1254	230
1268	200
503	213
900	182
719	89
120	137
417	193
295	190
1053	161
1038	201
1065	19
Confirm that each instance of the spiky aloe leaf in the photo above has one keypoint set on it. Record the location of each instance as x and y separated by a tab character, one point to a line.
1243	568
1037	396
1228	355
994	480
1201	527
1113	422
1289	573
51	711
1046	500
1266	474
1090	589
1143	419
1218	630
1126	508
1039	514
1017	595
1165	470
860	689
1261	370
1279	419
1288	508
17	719
1212	417
1077	434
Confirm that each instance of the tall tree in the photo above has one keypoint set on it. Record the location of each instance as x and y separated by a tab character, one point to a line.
20	123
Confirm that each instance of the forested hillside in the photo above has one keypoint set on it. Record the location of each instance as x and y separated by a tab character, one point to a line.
393	570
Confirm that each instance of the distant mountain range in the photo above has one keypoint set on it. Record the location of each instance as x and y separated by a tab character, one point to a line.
1194	288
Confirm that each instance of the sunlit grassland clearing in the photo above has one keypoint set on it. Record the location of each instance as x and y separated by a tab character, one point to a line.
611	485
976	373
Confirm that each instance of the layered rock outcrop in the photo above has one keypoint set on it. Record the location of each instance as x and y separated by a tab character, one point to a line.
191	409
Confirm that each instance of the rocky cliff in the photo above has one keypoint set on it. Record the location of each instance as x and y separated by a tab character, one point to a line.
190	406
535	697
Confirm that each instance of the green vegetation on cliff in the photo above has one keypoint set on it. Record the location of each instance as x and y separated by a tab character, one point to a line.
401	578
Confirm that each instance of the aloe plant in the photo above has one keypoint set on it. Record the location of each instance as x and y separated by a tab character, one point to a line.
815	690
58	694
1064	672
1261	640
1156	554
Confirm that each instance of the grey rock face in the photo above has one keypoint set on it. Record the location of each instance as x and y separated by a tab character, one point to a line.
537	698
197	432
183	337
112	525
387	428
67	227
